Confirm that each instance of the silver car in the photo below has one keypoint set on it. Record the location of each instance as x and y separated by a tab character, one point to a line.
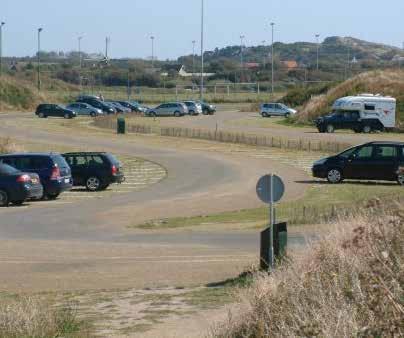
169	109
84	109
276	109
194	108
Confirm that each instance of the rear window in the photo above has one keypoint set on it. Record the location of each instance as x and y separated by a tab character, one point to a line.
5	169
60	161
112	159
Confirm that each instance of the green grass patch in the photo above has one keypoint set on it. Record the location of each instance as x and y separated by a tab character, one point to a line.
322	202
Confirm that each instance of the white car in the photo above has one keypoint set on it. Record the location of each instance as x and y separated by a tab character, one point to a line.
276	109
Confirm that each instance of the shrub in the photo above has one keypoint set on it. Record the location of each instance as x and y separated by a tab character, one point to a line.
34	317
348	284
7	146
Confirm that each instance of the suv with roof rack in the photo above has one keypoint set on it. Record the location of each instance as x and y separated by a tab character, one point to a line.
380	161
94	170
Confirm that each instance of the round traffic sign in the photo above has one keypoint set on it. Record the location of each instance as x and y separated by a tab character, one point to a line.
270	185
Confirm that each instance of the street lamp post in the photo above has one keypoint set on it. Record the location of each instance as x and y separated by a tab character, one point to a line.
39	58
241	57
202	37
80	58
272	59
1	47
193	64
318	48
152	48
264	61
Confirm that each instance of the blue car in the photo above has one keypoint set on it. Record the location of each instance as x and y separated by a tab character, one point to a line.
52	169
16	186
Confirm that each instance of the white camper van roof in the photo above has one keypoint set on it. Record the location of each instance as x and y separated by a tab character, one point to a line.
355	102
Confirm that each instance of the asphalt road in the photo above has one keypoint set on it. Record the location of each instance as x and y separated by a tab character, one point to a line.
87	245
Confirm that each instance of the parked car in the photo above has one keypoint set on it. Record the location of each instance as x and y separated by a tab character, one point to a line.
169	109
87	96
194	108
16	186
207	109
119	108
106	108
370	161
94	170
45	110
363	113
53	171
276	109
139	107
85	109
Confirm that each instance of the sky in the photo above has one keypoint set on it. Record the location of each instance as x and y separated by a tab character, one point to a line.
176	23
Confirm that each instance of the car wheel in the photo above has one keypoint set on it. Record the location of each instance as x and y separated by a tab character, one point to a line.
18	202
93	183
191	112
177	114
400	179
52	196
205	112
67	116
367	129
4	202
330	128
334	176
287	115
264	114
41	115
93	114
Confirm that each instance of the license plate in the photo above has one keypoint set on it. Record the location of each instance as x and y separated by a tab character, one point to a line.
67	180
34	181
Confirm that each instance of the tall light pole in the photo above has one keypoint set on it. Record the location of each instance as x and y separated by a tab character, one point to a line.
80	58
39	58
193	56
241	57
272	59
152	50
1	47
202	37
318	48
264	59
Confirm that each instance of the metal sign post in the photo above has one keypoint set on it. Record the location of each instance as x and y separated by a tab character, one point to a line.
270	189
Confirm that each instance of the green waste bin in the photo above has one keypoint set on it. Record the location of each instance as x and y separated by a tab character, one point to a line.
280	245
121	125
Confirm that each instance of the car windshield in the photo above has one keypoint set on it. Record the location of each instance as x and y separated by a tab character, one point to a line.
6	169
60	161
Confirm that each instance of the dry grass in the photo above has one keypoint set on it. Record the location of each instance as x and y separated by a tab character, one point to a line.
383	82
348	284
8	146
34	317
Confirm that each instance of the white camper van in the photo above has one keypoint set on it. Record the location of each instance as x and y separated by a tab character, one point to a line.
362	113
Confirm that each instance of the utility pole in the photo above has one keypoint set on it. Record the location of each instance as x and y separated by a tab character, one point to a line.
202	37
39	59
272	59
1	47
80	58
193	65
241	58
318	48
264	61
152	51
107	41
348	61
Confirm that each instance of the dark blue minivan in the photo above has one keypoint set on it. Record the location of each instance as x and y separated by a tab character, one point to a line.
53	171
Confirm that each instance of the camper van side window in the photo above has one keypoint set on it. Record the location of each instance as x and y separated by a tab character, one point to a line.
370	107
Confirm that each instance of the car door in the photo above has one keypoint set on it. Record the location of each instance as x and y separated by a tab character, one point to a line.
385	162
360	164
97	167
79	169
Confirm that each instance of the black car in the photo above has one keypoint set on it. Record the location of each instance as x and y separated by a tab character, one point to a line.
133	106
347	120
16	186
53	171
94	170
105	107
45	110
370	161
207	109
